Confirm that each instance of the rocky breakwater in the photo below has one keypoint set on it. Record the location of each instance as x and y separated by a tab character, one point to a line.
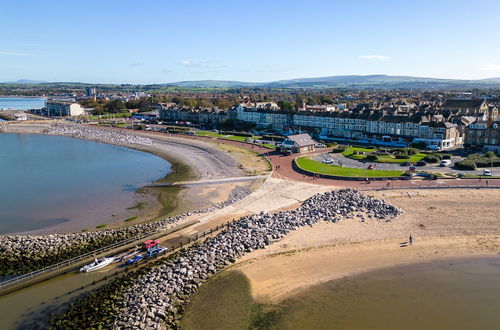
96	133
157	299
20	254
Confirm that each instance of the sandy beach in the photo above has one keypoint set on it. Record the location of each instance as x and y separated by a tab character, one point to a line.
446	224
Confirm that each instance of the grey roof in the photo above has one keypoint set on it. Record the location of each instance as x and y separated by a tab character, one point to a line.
302	140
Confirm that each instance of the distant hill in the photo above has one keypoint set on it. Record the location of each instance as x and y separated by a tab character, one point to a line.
26	82
357	81
212	83
347	81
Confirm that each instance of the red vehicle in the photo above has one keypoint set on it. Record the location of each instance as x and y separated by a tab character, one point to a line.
149	244
413	169
371	166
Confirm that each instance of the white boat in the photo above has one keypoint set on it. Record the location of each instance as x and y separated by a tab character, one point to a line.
97	264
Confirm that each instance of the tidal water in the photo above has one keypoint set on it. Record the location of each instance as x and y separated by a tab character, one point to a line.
22	103
451	295
63	183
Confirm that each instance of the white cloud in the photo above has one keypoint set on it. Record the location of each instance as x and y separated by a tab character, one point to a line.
188	64
491	67
15	53
375	57
136	64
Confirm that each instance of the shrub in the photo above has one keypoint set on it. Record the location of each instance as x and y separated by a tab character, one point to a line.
431	159
445	156
466	164
402	156
412	151
273	137
339	149
371	158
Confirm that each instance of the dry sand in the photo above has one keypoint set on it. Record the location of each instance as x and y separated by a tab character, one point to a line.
446	224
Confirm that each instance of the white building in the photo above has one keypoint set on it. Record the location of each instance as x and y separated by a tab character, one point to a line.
64	109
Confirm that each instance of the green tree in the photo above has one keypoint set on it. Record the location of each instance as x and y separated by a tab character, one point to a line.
115	106
286	106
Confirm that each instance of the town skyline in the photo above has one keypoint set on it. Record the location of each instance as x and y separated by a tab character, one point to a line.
107	42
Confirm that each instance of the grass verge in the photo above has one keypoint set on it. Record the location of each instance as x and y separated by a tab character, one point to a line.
321	168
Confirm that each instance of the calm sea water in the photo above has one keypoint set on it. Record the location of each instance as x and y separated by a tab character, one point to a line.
446	295
72	183
22	103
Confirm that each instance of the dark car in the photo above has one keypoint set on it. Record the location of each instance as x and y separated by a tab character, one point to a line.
134	259
421	163
406	164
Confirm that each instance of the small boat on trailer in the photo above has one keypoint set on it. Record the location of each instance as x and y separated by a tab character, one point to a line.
97	264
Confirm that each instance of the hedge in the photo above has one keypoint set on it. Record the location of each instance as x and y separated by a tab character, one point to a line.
339	149
432	159
466	164
273	137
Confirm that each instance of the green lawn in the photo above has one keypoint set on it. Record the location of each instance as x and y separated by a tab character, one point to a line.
233	138
210	134
321	168
349	152
391	159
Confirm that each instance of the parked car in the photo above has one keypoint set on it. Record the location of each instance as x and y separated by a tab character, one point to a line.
371	167
406	164
156	250
328	160
320	145
134	259
412	169
445	162
421	163
433	147
486	172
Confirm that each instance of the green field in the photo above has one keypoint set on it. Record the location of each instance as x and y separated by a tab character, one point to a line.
233	138
351	153
321	168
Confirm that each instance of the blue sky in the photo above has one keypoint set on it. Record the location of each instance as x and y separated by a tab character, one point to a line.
149	41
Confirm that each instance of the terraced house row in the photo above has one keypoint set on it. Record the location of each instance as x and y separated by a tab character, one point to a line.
443	125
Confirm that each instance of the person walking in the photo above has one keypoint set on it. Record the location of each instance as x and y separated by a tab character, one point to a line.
410	240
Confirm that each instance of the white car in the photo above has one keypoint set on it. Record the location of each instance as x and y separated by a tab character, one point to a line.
320	145
445	162
328	160
486	172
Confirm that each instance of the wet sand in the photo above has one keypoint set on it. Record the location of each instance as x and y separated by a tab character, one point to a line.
446	224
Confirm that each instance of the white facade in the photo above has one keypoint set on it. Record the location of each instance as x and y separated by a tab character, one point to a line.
64	109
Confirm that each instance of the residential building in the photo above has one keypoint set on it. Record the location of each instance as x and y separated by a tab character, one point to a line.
64	108
484	134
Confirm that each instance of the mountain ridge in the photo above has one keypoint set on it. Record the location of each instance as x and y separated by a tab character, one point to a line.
338	81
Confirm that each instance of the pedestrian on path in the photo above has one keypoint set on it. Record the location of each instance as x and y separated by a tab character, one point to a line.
410	240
